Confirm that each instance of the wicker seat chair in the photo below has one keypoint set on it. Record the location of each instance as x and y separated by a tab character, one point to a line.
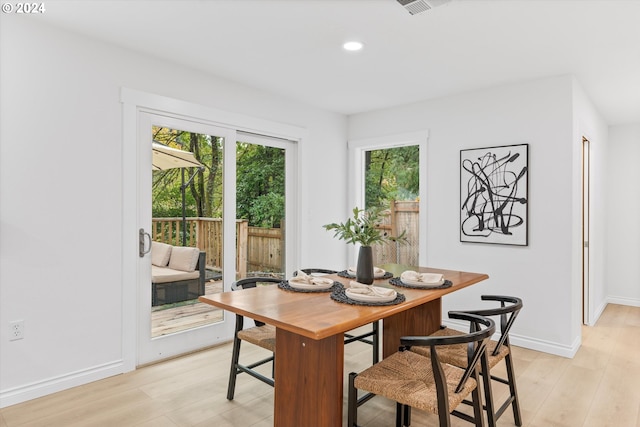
261	334
427	383
497	351
371	337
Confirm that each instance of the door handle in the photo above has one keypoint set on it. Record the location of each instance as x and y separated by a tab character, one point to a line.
141	242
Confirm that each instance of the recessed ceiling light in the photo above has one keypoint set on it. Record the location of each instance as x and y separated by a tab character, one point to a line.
352	46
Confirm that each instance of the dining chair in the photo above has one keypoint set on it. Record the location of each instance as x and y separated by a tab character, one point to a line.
426	383
497	351
371	337
261	334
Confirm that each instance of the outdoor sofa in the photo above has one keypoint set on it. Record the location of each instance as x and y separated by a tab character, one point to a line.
177	273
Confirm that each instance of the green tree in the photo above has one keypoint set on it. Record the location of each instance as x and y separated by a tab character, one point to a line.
260	184
260	180
391	174
203	197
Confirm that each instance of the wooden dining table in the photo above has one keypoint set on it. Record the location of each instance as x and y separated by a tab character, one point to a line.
310	331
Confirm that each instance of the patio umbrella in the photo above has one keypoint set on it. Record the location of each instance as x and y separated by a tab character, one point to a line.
171	158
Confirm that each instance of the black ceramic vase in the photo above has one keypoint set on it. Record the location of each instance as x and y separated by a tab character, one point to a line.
364	269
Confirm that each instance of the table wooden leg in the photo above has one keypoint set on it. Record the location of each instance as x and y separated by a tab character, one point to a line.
424	319
308	380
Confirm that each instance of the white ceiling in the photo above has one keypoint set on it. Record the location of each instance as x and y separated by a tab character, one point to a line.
293	47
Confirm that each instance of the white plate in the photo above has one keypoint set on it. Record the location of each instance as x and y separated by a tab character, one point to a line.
369	298
298	285
352	271
423	284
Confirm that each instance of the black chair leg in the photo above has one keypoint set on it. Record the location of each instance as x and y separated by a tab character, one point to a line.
352	414
376	340
407	415
517	417
235	356
273	367
478	413
488	394
403	415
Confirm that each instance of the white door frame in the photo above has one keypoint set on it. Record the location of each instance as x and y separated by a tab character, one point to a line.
134	101
587	299
356	196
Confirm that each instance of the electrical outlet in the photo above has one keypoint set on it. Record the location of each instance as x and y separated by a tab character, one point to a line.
16	330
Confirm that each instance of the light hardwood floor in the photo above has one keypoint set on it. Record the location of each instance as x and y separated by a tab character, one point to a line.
599	387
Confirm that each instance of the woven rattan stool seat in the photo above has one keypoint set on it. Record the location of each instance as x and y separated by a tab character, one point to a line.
262	336
407	378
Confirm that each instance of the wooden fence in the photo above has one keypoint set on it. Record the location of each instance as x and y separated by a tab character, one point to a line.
401	216
265	249
205	234
261	249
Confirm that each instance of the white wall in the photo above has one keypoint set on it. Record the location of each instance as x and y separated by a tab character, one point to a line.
60	183
623	205
542	274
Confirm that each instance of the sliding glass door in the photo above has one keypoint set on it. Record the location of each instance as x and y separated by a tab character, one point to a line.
261	183
183	214
233	205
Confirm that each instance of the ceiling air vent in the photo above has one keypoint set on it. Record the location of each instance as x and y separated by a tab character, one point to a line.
418	6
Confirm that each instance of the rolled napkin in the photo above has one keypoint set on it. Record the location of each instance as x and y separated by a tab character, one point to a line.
377	272
369	291
411	277
306	279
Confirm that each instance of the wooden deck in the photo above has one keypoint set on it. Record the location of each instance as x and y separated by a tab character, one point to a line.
186	315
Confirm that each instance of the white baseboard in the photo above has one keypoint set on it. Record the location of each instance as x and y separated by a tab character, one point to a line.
63	382
633	302
598	313
546	346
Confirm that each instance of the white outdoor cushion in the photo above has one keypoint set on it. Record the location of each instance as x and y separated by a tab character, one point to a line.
160	254
167	275
184	259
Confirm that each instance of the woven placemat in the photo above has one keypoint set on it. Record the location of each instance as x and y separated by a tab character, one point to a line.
397	282
347	275
339	295
287	287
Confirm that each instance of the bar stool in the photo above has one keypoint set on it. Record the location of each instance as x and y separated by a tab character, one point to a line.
427	383
262	335
496	352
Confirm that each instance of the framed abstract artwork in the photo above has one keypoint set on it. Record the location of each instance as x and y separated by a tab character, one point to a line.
494	199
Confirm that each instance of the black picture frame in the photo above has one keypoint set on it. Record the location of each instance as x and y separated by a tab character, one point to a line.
494	195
